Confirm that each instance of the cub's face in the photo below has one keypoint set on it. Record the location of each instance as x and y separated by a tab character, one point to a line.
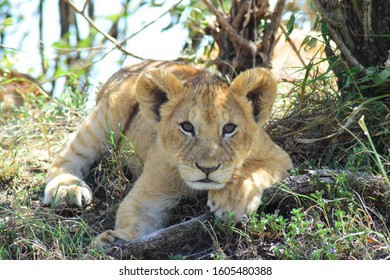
206	133
205	126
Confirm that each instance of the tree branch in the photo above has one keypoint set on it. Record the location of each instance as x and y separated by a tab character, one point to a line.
162	240
292	44
105	34
237	40
269	33
335	20
150	23
315	180
41	45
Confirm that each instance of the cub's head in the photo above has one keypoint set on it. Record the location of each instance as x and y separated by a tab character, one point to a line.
206	126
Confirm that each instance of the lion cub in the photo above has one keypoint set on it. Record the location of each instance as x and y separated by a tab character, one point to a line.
192	130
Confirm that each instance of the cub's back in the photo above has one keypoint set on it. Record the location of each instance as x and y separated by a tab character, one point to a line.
131	73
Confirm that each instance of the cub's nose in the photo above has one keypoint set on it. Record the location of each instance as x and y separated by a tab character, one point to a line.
207	170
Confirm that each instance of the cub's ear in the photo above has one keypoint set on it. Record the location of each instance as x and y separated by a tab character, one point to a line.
259	87
153	89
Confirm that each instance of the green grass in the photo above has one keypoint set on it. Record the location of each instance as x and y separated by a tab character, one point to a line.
317	127
29	139
334	223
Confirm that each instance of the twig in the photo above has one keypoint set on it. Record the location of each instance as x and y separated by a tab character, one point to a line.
150	23
41	45
316	179
85	6
292	44
105	34
237	40
162	240
269	33
238	19
367	25
344	50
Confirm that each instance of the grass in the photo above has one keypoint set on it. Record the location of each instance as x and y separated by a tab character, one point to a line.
314	124
334	223
29	139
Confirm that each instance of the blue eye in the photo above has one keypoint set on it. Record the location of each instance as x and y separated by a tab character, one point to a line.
187	128
229	130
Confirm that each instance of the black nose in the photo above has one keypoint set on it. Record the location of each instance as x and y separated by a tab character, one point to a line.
207	170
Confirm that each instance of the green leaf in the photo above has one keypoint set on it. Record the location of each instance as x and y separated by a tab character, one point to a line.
316	21
382	77
6	23
290	25
114	18
311	44
61	44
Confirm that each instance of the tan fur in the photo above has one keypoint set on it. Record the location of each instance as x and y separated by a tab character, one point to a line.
288	65
149	104
14	88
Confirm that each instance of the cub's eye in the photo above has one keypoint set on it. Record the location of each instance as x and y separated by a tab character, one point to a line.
229	130
187	128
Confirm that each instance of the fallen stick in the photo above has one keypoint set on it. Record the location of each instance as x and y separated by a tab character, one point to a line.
159	241
315	180
191	231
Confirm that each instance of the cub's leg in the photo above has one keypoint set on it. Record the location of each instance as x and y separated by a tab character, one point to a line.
242	194
146	208
64	182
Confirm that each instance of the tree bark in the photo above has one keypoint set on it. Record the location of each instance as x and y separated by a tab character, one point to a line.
360	29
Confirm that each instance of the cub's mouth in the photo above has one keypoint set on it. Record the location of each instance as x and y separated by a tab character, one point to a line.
205	184
205	180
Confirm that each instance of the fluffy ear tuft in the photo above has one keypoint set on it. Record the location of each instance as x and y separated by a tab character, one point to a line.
259	87
154	88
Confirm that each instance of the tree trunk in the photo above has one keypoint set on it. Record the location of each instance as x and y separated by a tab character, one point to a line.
360	29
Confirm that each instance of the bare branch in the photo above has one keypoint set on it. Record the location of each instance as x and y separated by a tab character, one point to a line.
269	33
85	6
237	40
367	25
105	34
292	44
41	45
159	241
238	19
335	21
317	179
151	23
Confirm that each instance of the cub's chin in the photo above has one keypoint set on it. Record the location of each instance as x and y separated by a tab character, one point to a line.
206	185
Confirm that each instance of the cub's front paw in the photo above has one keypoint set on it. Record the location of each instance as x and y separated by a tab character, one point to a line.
106	237
236	201
109	236
67	189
